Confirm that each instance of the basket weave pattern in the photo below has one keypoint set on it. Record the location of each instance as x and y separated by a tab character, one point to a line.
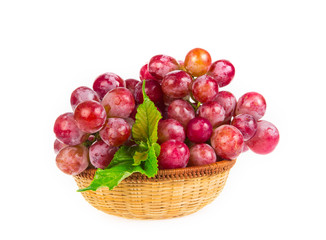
171	193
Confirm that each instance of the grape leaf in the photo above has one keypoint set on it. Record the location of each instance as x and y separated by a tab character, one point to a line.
151	166
140	157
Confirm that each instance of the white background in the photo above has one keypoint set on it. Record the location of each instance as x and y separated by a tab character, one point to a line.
49	48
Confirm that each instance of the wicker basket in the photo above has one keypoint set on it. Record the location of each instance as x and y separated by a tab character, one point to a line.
171	193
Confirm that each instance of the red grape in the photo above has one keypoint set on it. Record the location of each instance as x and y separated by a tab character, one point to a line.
67	131
58	146
182	111
222	71
90	116
82	94
197	62
176	84
266	138
106	82
119	102
73	160
101	154
199	130
174	154
246	124
145	75
204	89
160	65
213	112
227	141
251	103
115	132
228	101
152	89
170	129
201	154
131	84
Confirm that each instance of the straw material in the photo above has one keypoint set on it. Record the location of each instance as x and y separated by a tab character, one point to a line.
171	193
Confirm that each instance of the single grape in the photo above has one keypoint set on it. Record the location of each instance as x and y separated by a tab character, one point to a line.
197	62
67	131
222	71
266	138
174	154
246	124
73	160
152	89
116	132
82	94
227	141
145	75
182	111
204	89
101	154
58	146
199	130
119	102
251	103
213	112
90	116
201	154
131	84
91	138
160	65
170	129
176	84
106	82
228	101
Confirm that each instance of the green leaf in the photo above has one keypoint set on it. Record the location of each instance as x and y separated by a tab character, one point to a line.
124	154
151	166
140	157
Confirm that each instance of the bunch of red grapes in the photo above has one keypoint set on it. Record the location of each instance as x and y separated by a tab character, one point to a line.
200	124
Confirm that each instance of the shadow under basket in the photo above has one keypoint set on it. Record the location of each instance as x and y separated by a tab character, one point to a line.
171	193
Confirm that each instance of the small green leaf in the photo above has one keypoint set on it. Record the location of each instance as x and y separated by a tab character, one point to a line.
139	157
124	154
157	149
151	166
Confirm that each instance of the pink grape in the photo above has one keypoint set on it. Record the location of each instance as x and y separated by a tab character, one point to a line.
177	84
266	138
197	62
90	116
170	129
228	101
106	82
201	154
152	89
160	65
145	75
227	141
101	154
182	111
204	89
119	102
58	146
213	112
67	131
73	160
251	103
199	130
116	132
131	84
246	124
82	94
174	154
222	71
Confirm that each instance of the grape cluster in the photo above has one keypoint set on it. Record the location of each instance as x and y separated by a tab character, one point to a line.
200	125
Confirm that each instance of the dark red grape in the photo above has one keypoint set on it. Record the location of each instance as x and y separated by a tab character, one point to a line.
222	71
67	131
119	102
213	112
82	94
197	62
228	101
251	103
131	84
199	130
106	82
170	129
266	138
227	141
174	154
176	84
152	89
160	65
116	132
145	75
101	154
182	111
90	116
73	160
204	89
246	124
58	146
201	154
